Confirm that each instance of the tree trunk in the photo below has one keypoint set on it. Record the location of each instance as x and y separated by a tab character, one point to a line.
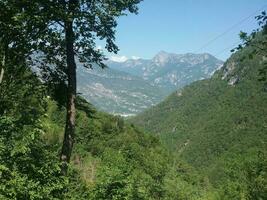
71	96
3	68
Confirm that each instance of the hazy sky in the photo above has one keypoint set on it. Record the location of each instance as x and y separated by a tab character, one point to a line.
181	26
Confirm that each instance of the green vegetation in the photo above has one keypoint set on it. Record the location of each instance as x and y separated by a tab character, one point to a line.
218	126
210	137
59	33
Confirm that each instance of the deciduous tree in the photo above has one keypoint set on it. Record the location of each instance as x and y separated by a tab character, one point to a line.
66	30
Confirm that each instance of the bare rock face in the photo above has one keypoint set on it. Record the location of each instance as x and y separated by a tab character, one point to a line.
229	73
233	80
228	69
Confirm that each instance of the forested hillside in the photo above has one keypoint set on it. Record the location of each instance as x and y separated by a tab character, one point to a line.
219	125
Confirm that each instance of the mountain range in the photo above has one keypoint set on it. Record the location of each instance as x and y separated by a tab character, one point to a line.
130	87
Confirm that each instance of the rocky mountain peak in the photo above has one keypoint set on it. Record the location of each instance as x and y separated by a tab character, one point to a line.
162	57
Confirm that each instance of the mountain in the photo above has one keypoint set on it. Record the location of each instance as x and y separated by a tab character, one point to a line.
170	71
130	87
117	92
218	126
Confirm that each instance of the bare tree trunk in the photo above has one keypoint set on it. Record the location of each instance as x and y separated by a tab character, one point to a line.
71	96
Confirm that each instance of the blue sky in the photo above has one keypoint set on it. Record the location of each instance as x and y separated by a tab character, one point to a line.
181	26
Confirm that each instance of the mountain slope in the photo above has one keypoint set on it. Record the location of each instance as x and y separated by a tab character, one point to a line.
226	104
117	92
133	86
217	125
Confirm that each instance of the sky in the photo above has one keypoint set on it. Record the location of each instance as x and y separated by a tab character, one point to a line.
183	26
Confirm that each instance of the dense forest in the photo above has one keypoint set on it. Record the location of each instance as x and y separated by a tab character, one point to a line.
205	141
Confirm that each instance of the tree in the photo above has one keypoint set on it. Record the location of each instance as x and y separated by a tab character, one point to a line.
66	30
9	37
259	45
27	166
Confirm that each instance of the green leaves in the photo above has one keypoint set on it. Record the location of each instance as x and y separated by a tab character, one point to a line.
27	168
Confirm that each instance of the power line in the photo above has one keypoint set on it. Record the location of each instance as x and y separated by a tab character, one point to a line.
227	48
229	29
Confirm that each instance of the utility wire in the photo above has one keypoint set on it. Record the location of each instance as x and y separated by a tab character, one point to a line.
229	29
227	48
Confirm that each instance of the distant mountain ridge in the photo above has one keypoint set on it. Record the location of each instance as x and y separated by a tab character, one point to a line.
170	71
130	87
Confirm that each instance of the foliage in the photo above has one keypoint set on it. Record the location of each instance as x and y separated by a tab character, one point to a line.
115	160
28	169
259	45
61	31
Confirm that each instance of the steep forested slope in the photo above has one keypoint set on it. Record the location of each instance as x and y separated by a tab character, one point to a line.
219	125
